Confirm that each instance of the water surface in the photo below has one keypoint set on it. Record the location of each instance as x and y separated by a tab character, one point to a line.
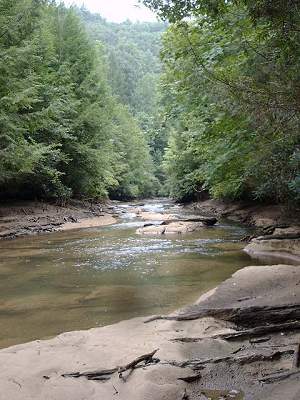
93	277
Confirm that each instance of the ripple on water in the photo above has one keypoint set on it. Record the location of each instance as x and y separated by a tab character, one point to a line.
78	279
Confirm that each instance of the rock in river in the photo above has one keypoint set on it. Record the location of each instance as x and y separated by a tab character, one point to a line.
282	243
178	227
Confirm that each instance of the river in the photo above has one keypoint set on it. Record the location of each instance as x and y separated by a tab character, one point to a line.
86	278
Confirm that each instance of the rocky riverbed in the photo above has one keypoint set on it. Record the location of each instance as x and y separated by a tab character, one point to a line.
239	341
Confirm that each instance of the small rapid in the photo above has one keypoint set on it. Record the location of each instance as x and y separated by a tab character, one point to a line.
92	277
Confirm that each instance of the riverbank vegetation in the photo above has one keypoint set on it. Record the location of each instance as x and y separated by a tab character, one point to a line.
205	102
64	131
231	98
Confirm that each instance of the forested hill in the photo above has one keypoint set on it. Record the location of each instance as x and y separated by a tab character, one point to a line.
94	109
133	58
134	71
63	132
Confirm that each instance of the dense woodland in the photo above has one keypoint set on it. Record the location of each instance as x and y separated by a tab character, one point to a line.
65	128
231	86
204	102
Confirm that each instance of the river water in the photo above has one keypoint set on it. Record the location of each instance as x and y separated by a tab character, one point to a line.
86	278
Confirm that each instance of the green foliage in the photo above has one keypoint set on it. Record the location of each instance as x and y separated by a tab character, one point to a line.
231	94
62	131
134	69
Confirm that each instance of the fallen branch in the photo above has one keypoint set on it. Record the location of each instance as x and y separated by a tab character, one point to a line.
105	374
146	357
243	316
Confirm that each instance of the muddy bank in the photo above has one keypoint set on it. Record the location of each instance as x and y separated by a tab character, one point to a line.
202	354
27	218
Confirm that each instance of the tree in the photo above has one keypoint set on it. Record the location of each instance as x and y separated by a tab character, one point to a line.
59	119
231	85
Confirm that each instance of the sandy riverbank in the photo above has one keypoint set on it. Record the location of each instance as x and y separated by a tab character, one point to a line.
27	218
239	341
225	369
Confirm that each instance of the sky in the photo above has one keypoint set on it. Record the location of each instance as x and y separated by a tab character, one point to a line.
116	10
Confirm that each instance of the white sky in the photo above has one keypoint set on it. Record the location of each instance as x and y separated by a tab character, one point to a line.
116	10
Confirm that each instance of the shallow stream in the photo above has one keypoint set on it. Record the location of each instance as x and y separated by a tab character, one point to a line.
93	277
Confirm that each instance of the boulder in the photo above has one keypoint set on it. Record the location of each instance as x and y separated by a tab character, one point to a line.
208	221
180	227
151	230
153	216
284	242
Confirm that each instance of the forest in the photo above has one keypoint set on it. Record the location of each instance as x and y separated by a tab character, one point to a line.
231	96
203	103
68	129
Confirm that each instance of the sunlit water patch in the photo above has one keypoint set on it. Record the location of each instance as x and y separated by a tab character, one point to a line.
92	277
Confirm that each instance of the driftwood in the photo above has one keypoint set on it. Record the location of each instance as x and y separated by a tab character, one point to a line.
259	330
242	316
147	358
105	374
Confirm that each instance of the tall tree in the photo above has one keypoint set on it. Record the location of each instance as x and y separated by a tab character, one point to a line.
58	118
231	88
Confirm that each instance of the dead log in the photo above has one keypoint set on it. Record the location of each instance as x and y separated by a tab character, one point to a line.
147	358
208	221
105	374
242	316
259	331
